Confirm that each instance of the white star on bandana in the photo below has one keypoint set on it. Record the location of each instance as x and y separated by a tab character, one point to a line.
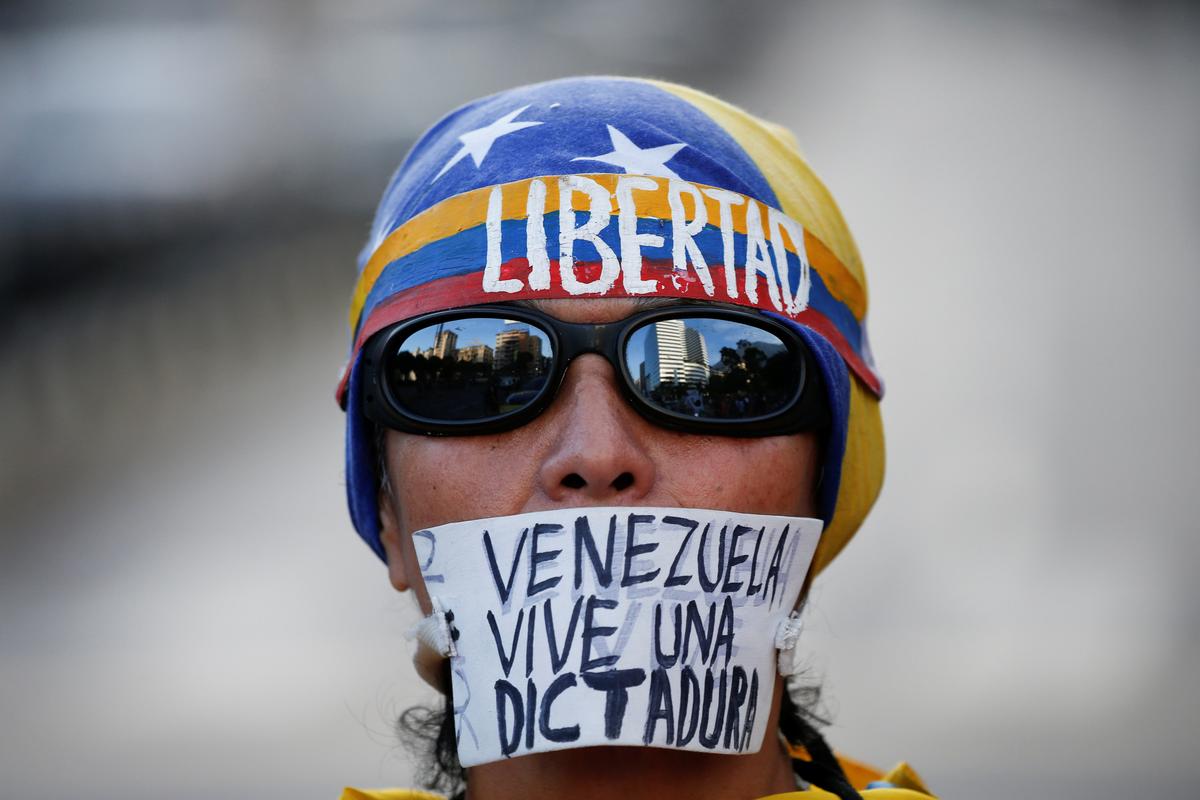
634	160
478	142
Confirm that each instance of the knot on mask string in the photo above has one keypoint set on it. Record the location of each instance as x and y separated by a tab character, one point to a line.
786	636
437	630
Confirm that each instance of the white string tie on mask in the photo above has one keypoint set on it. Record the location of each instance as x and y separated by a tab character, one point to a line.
437	630
786	637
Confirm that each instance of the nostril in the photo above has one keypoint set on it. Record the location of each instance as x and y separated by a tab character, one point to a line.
574	481
623	481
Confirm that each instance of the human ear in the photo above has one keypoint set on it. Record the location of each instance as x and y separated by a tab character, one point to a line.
401	558
392	536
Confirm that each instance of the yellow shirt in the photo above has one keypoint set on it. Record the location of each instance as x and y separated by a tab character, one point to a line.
905	785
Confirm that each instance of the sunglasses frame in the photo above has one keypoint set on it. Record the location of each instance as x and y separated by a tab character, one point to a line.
807	411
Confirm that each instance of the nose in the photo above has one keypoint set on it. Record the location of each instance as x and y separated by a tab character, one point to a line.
597	456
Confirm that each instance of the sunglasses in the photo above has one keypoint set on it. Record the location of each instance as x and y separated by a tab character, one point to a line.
488	369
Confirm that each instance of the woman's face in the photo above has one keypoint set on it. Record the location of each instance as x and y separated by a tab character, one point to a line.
589	448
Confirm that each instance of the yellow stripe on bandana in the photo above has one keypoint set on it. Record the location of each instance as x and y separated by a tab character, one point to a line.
803	197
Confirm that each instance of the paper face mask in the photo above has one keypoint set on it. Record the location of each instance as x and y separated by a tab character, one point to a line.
621	626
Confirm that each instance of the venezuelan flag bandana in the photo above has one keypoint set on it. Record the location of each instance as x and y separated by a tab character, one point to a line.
612	187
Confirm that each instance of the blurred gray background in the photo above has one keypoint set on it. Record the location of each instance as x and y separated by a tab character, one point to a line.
185	610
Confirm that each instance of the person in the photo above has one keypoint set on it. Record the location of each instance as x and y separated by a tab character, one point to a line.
671	307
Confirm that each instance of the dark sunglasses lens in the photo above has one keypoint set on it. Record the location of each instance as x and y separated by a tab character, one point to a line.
712	368
468	369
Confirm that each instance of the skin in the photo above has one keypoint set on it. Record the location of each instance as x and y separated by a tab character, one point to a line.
589	448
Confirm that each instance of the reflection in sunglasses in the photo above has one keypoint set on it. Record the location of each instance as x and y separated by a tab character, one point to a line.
745	373
501	366
700	367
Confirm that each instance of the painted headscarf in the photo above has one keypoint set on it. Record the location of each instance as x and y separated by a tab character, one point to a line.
621	187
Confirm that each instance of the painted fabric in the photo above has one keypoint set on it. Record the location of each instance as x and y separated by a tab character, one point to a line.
899	783
621	188
878	793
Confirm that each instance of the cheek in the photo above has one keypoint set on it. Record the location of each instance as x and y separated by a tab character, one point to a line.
439	480
775	475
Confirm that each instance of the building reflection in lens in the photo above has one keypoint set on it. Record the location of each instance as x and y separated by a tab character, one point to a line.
711	368
499	366
520	365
